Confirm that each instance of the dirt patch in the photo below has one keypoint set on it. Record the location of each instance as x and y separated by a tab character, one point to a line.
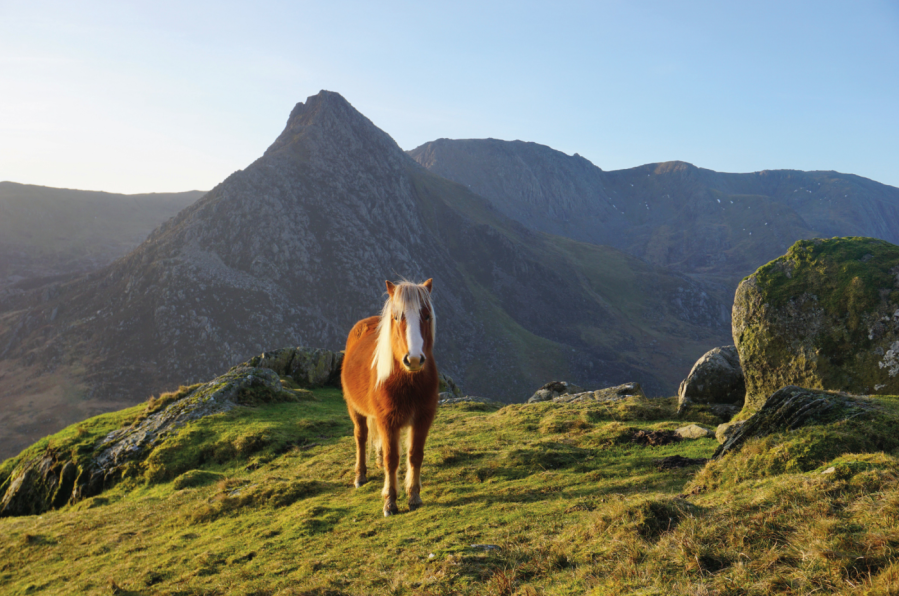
677	461
655	437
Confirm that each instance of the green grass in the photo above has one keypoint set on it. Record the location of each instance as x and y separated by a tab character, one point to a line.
573	505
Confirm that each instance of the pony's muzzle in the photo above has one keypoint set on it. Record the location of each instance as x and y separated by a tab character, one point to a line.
414	364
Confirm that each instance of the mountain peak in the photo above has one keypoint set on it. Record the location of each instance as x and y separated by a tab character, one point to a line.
327	120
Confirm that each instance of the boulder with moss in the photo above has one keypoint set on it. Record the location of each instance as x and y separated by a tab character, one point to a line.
825	315
715	380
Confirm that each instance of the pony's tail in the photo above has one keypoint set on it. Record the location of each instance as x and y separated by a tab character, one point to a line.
374	441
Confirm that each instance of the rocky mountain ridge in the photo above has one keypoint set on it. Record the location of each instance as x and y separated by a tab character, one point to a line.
716	227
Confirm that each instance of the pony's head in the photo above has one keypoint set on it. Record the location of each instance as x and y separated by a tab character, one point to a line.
406	330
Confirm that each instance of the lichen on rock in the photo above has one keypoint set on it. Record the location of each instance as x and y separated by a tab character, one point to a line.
822	316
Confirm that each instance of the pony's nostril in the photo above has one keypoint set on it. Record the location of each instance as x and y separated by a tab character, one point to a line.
422	361
406	360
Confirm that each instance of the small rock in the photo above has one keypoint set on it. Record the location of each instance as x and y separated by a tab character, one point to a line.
829	470
486	547
694	431
727	430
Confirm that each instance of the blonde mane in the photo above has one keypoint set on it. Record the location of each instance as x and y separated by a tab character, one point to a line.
407	296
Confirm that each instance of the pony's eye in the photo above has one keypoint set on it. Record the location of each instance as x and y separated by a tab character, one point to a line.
427	317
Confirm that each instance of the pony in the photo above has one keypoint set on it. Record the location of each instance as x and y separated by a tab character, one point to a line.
390	383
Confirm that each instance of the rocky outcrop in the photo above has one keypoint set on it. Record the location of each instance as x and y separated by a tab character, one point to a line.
552	390
56	477
793	407
308	367
825	315
607	394
716	378
564	392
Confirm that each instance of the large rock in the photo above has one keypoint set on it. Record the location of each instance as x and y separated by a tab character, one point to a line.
825	315
716	378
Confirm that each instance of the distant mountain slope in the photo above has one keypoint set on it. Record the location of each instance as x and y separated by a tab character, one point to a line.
57	231
295	248
717	227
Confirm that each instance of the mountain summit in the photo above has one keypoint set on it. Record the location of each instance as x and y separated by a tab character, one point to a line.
294	249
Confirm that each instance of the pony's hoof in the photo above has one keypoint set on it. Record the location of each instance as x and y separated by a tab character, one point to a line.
415	503
390	509
360	481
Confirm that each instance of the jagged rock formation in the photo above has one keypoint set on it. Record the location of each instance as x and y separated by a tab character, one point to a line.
824	316
296	248
717	227
716	379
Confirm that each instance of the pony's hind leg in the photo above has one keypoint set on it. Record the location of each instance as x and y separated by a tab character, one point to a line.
360	432
390	441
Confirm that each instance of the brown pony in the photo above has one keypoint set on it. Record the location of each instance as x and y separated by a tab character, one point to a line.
390	382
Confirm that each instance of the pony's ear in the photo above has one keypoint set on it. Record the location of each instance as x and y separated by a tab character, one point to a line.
428	284
391	288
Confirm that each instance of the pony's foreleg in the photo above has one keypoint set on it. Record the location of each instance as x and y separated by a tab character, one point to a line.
390	441
417	437
360	432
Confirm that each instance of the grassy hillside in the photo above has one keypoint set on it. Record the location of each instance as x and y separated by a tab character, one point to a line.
526	499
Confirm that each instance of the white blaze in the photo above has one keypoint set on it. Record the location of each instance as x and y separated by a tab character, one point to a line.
414	340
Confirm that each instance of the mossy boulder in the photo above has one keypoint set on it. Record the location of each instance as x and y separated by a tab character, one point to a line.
825	315
716	379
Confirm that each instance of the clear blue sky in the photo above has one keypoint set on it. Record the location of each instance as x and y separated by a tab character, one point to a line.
164	96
